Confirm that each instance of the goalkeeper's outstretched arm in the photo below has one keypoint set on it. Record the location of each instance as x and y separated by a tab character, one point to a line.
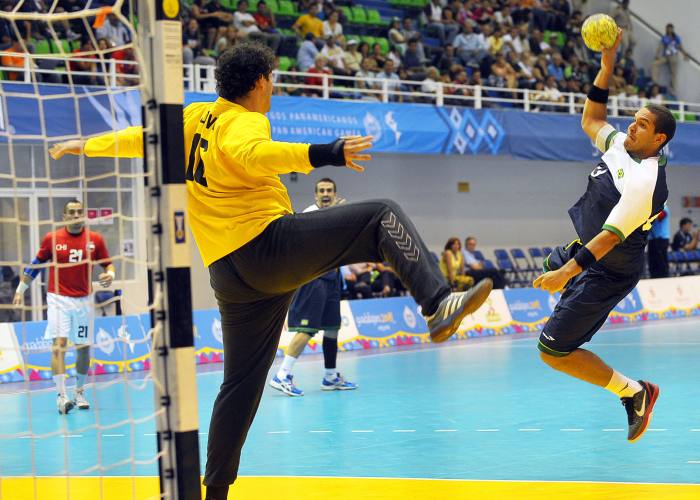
127	143
594	118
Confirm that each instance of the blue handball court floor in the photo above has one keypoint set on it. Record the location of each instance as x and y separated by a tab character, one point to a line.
484	409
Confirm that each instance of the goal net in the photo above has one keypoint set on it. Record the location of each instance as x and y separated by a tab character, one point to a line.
67	76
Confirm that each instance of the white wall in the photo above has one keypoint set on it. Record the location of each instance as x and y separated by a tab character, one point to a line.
684	15
511	203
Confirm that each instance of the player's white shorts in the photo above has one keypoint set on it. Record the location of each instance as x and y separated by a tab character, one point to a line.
70	317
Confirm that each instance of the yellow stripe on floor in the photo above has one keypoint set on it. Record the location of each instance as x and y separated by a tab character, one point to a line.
310	488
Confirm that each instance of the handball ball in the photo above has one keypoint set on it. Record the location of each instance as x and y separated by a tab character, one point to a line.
599	32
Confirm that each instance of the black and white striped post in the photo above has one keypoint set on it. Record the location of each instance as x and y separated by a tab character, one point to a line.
173	344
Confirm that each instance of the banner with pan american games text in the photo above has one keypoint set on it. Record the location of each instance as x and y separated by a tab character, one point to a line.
124	343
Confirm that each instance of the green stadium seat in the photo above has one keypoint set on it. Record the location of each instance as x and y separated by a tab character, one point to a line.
367	39
272	5
285	63
359	16
374	18
347	13
67	48
286	8
42	47
229	4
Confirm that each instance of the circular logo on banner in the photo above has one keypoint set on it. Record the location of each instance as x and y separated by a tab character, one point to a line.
171	8
409	317
105	341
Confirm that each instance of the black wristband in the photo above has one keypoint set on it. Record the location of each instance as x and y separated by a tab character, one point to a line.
596	94
332	153
584	258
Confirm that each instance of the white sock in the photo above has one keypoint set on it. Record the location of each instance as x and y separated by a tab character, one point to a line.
622	386
330	373
60	381
286	368
80	380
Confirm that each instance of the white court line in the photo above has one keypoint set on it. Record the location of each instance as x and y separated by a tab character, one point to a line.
694	430
150	434
446	430
694	461
571	430
529	430
320	432
404	430
361	431
278	432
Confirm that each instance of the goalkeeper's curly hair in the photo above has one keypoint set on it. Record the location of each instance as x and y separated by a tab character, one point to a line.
240	67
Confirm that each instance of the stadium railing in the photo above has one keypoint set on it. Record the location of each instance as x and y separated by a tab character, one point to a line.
200	78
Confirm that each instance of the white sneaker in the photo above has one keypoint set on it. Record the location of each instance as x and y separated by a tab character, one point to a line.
286	385
80	401
64	404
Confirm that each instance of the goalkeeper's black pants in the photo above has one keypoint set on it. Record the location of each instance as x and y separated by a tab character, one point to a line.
254	286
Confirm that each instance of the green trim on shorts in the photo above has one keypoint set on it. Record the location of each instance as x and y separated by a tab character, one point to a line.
577	240
615	230
303	329
550	351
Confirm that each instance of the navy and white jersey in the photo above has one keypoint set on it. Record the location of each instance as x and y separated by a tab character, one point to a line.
623	196
330	275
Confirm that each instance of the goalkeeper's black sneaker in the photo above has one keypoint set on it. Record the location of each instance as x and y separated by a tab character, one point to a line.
453	308
640	409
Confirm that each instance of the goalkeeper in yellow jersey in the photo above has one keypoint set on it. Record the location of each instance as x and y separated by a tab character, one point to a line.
259	251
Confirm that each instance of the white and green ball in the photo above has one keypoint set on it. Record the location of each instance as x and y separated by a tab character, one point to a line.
599	32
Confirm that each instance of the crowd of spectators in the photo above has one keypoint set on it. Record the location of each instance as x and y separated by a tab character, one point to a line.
505	45
502	44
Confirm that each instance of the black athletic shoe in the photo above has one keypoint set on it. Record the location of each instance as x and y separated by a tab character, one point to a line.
453	308
640	409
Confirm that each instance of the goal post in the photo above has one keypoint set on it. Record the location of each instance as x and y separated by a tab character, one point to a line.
173	349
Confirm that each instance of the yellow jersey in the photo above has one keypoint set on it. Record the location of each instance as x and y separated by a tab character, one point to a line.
232	172
309	24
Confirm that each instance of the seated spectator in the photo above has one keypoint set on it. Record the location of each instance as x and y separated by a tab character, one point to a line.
10	61
87	68
452	266
628	101
411	59
685	239
504	74
556	66
306	55
388	283
494	38
192	41
537	43
655	94
388	73
394	55
245	23
332	27
213	20
265	18
378	56
448	58
8	284
309	23
352	58
368	79
430	84
514	41
227	41
114	30
445	32
409	33
358	278
471	47
363	49
335	55
395	35
476	269
320	67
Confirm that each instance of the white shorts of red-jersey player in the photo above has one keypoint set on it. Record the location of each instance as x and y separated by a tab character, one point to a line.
71	318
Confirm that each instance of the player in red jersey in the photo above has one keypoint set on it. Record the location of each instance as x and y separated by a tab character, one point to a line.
72	250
